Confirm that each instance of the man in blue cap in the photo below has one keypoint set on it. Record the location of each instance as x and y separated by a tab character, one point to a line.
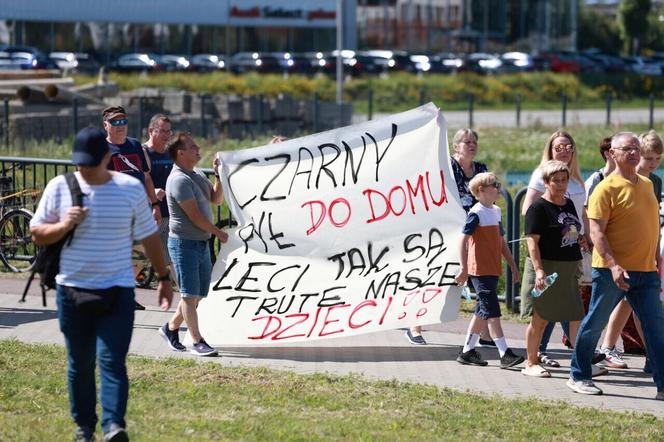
95	284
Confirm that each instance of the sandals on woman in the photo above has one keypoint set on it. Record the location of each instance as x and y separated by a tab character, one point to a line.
547	360
536	371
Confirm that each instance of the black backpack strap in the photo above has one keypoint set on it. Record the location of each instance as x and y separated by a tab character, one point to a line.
76	198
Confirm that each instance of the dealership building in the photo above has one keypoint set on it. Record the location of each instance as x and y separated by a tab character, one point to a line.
218	26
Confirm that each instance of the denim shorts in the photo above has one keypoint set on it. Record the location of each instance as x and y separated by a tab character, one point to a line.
193	266
487	299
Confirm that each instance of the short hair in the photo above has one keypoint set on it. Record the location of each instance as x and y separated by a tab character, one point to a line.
615	139
176	143
573	168
651	142
604	147
552	167
467	132
156	119
481	179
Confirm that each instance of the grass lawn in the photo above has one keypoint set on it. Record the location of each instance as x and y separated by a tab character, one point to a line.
176	399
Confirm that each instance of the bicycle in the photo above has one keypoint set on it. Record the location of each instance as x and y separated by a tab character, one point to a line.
17	251
144	274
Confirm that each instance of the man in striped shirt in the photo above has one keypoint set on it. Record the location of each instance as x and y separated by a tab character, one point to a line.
96	264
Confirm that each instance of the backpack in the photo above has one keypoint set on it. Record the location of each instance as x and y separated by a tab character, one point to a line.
47	263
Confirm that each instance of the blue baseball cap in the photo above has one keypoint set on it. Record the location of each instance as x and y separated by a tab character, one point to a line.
90	146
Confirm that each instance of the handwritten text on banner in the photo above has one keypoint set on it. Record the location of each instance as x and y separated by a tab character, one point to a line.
349	231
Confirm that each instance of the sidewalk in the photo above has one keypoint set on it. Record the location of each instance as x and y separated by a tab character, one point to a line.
386	355
507	118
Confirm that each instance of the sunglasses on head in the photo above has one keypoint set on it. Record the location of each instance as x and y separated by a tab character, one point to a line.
120	122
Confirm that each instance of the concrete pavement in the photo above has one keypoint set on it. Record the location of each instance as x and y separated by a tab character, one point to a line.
385	355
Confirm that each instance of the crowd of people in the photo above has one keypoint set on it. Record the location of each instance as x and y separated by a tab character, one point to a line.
166	206
599	238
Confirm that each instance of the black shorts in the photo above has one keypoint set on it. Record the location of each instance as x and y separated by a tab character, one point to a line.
487	299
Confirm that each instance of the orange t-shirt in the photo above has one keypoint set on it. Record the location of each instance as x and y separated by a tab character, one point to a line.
486	240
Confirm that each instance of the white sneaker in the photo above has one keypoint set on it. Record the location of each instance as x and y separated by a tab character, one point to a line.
583	387
598	371
613	359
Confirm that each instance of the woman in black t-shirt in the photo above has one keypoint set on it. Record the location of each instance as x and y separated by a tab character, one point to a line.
552	232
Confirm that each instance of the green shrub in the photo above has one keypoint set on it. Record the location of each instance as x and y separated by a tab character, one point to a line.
401	91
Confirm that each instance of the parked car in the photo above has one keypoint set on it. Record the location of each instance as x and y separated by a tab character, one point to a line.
137	62
253	62
173	63
421	63
518	61
642	66
586	64
446	62
482	63
610	63
354	63
208	62
388	60
291	62
75	62
28	60
560	63
28	57
6	62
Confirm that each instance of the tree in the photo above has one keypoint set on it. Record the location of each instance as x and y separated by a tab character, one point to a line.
597	30
654	40
633	20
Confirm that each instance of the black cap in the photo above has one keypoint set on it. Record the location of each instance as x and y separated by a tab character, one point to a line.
90	146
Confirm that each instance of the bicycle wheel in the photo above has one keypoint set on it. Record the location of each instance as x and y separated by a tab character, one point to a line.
17	251
143	271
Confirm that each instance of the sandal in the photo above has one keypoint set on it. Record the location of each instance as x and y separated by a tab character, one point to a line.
548	361
536	371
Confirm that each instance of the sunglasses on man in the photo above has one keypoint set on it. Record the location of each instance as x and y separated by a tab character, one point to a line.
120	122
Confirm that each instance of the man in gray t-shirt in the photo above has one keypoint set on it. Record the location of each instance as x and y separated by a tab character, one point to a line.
189	195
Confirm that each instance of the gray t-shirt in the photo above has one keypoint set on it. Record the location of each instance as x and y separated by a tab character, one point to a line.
183	185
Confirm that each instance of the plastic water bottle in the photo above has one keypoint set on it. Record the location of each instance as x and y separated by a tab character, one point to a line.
547	283
466	293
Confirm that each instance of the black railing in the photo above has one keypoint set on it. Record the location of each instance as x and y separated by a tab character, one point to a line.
37	172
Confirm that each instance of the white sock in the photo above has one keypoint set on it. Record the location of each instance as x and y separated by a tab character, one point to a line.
471	341
501	343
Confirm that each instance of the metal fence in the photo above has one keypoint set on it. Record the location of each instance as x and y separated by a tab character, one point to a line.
206	116
35	173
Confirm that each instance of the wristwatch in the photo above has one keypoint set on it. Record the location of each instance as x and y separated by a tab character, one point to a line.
165	277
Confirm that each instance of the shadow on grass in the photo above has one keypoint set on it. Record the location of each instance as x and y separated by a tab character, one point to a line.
347	354
13	317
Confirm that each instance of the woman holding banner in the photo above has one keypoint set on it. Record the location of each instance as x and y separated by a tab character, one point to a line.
559	146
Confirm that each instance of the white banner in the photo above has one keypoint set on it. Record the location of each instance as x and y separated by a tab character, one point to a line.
349	231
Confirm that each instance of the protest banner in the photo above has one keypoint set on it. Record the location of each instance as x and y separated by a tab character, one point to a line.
349	231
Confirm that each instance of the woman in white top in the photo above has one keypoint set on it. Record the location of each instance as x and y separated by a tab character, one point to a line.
562	147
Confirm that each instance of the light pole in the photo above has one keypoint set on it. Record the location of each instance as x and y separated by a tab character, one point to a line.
340	45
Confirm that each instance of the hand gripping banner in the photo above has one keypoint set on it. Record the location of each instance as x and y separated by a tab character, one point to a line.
349	231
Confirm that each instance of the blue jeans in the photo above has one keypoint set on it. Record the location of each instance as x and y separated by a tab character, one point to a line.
104	337
643	296
548	331
193	266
